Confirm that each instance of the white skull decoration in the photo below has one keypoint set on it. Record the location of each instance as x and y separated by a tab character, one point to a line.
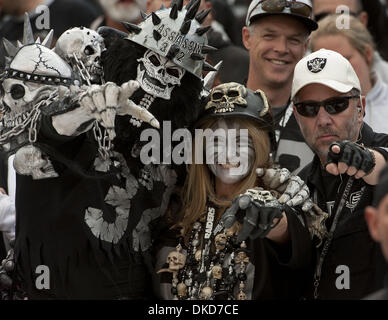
84	45
176	261
29	160
34	73
157	75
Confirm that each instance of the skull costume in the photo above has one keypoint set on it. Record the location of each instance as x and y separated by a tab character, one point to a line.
82	48
101	216
31	82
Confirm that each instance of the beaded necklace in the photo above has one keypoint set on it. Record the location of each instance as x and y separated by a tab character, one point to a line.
213	267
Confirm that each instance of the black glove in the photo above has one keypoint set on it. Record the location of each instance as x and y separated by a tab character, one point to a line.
261	208
353	155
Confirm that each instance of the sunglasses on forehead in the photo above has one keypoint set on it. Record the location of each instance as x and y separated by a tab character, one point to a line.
335	105
278	6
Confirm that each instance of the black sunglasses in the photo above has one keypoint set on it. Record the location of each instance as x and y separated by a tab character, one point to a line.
335	105
277	6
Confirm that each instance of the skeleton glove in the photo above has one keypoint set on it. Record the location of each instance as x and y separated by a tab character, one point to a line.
294	191
352	155
106	101
262	212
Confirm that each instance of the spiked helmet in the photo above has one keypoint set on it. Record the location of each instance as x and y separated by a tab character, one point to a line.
176	33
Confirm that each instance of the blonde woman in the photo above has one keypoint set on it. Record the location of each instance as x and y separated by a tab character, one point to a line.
356	44
212	258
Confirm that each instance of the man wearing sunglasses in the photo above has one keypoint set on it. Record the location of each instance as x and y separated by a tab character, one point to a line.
276	36
348	159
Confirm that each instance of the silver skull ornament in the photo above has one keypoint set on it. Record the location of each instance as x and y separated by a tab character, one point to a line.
81	48
157	75
176	261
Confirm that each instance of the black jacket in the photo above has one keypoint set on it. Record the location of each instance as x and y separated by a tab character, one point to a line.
352	245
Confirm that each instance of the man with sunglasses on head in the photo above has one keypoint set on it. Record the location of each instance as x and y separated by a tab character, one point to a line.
276	35
348	159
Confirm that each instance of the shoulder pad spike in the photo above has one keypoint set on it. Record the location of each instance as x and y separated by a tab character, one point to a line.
157	36
180	4
197	56
208	67
190	14
207	49
49	39
203	30
9	47
200	17
131	27
185	27
28	36
174	12
155	19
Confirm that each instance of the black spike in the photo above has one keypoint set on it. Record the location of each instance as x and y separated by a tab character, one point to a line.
202	30
185	27
207	49
197	56
188	6
190	14
180	5
208	67
157	35
174	12
155	19
172	52
200	17
131	27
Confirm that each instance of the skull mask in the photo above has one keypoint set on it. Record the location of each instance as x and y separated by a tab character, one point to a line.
84	45
34	73
224	97
157	75
176	261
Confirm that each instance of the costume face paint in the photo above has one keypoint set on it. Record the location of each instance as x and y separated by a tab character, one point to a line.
231	156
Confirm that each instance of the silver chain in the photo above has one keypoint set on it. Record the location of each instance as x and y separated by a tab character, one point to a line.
30	120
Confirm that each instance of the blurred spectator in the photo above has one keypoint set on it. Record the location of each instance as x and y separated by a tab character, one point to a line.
377	219
356	44
321	8
116	11
61	15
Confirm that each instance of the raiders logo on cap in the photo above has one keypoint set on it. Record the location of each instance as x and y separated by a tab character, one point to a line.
316	65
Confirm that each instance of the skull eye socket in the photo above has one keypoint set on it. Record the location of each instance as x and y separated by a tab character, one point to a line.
89	50
17	91
155	61
173	72
233	93
217	95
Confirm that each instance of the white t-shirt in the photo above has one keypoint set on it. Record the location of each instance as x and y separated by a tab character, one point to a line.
376	109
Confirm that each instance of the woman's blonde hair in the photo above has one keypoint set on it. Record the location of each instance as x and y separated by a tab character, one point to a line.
357	34
199	185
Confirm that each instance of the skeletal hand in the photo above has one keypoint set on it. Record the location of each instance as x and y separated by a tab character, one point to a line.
262	212
293	189
108	100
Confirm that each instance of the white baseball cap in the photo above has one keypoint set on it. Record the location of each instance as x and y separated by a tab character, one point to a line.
325	67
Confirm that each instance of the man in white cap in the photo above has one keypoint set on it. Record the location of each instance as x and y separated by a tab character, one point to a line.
276	35
348	159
